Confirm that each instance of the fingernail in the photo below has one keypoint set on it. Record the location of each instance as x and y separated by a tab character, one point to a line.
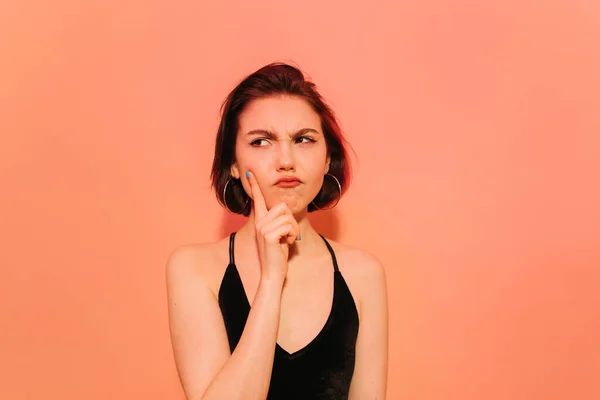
247	174
299	236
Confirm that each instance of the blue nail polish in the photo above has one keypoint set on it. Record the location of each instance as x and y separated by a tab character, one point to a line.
299	236
247	174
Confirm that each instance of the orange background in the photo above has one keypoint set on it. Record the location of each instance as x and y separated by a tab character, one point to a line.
476	125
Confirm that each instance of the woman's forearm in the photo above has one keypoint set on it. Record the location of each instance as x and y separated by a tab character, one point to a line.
247	373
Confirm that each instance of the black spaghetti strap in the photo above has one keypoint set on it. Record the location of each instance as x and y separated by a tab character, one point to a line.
231	243
335	264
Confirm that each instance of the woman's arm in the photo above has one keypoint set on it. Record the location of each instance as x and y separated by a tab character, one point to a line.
370	374
200	344
206	367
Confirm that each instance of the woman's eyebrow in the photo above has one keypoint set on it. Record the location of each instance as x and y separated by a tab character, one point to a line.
271	135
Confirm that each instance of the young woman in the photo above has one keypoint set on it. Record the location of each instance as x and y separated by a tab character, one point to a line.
275	310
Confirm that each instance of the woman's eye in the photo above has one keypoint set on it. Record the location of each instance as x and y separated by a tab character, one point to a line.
258	142
305	139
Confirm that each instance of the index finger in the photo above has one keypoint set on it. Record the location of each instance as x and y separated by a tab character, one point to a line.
260	207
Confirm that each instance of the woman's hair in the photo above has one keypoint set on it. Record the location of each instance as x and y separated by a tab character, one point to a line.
271	80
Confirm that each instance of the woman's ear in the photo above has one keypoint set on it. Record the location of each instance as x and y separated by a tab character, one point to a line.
234	171
327	164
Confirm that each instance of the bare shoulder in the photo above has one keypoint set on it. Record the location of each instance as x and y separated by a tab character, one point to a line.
200	263
357	262
362	271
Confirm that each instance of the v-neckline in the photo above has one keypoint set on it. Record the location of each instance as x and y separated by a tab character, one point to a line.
321	332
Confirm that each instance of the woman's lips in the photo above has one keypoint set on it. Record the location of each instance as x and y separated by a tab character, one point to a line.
288	182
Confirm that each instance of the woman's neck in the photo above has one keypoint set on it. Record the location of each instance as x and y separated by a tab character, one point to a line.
310	241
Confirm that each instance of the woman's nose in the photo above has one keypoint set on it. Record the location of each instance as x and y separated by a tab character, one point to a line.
285	158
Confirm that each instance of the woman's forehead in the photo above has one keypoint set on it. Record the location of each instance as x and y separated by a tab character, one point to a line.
280	115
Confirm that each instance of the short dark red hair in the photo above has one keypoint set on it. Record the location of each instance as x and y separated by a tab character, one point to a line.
275	79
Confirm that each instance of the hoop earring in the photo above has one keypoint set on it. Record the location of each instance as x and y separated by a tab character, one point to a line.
338	199
225	200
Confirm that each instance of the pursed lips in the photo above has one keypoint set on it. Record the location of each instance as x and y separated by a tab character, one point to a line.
288	182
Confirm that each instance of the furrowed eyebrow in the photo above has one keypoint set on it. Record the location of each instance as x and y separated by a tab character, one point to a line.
271	135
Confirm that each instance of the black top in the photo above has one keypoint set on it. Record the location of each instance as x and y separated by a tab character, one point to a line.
320	370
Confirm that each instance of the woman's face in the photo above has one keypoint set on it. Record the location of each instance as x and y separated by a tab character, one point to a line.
281	137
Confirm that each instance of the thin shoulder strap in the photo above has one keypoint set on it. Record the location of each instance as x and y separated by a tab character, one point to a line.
231	243
335	264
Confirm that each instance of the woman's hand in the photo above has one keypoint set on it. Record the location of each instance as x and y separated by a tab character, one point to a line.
276	231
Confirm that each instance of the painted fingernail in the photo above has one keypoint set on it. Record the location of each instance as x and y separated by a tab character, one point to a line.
299	236
247	174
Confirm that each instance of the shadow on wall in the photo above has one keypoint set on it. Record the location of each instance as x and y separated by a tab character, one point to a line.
324	222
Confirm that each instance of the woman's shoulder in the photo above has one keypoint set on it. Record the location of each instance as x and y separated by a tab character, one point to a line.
198	262
361	269
354	259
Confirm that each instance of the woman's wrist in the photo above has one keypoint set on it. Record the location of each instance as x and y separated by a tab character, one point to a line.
271	283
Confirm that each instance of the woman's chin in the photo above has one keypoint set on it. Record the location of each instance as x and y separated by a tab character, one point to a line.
294	203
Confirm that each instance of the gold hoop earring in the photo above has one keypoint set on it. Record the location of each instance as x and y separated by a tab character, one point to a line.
338	199
225	200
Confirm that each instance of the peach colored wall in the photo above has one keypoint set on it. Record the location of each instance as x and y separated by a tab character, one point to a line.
476	125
